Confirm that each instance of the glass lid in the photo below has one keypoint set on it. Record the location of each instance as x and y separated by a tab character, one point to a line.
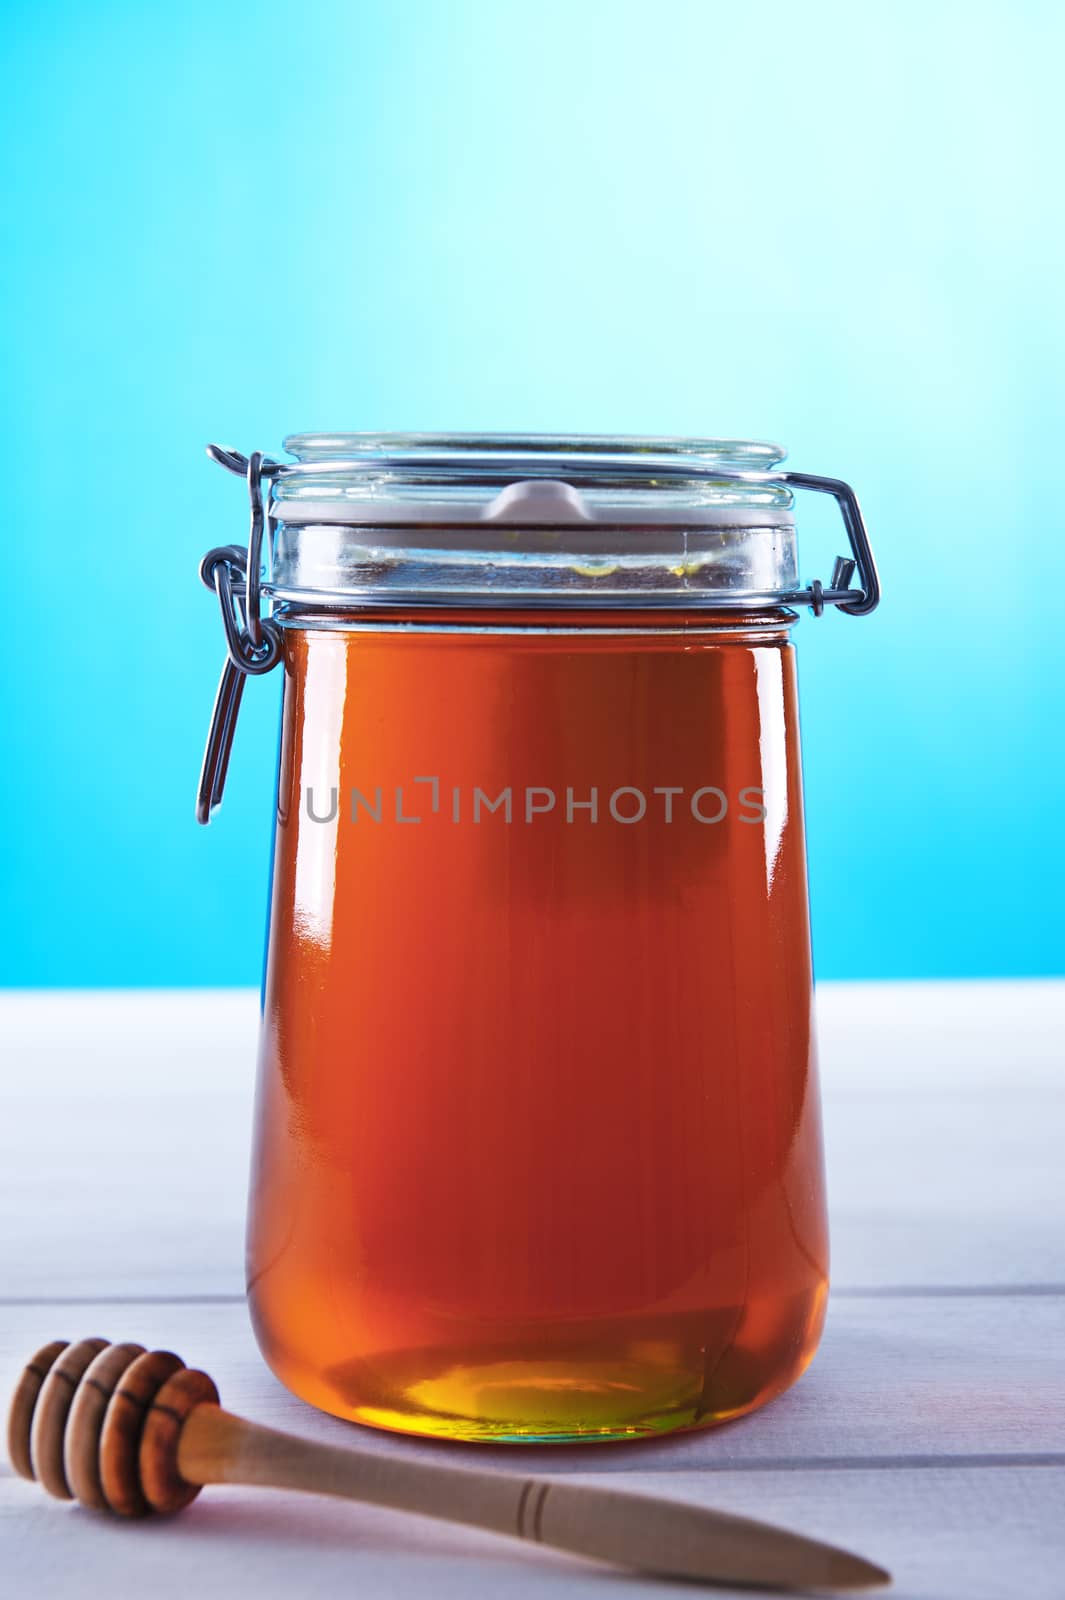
520	518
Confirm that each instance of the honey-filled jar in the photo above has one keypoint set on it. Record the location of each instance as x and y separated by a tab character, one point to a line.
537	1149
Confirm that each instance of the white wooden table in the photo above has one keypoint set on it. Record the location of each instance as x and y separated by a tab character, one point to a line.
929	1435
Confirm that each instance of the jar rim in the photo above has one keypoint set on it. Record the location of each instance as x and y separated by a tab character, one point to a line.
533	454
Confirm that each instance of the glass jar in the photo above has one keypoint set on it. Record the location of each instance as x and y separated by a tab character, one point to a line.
538	1147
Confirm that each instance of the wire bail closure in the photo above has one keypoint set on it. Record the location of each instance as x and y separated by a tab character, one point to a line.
253	642
855	602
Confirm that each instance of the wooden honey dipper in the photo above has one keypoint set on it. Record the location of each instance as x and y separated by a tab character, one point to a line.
132	1431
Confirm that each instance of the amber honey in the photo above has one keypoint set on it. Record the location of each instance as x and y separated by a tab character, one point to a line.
538	1150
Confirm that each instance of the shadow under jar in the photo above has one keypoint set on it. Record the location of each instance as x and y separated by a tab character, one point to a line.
538	1151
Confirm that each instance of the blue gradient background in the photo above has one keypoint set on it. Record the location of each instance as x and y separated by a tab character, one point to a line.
832	225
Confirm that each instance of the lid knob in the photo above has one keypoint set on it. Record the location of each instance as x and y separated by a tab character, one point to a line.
538	500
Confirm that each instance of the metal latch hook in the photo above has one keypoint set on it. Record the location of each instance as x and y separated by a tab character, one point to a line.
253	641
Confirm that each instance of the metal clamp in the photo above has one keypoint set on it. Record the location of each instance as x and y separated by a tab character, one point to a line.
254	469
837	592
253	642
224	570
856	602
